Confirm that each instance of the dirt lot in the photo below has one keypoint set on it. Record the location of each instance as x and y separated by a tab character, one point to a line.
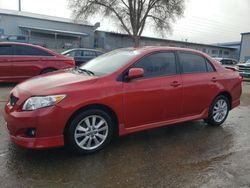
187	155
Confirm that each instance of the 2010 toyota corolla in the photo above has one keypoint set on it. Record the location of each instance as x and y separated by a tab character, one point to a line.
120	92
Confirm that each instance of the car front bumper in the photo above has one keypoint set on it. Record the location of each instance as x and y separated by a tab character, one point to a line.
48	123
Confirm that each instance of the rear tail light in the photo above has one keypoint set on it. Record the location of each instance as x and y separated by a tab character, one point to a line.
70	62
241	78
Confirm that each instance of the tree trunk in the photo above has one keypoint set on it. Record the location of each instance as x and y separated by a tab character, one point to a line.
136	40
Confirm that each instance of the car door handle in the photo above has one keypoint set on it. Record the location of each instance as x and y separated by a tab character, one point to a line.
175	84
214	79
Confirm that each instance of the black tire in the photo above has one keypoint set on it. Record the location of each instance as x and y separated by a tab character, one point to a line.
71	140
211	120
48	70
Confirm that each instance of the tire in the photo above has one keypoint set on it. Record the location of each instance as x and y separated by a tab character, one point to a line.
84	138
47	70
221	105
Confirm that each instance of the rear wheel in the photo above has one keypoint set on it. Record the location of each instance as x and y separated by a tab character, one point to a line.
218	111
89	131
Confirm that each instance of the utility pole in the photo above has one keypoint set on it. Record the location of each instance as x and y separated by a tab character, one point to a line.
19	5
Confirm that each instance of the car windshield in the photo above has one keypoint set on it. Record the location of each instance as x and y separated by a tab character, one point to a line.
109	62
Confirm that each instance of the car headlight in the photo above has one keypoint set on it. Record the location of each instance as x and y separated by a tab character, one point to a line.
34	103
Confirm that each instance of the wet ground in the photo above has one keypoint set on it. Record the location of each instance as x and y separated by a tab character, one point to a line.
186	155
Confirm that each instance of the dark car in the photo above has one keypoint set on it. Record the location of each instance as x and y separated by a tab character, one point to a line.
82	55
20	61
244	69
227	61
120	92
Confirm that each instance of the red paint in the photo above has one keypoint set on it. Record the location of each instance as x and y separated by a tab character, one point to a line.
21	67
139	104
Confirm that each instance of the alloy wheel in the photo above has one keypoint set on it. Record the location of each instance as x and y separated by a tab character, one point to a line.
91	132
220	110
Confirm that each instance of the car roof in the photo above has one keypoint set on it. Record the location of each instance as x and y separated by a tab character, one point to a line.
148	49
88	49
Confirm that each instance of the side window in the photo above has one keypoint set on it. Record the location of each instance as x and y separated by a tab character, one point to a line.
29	51
192	63
88	53
77	53
73	53
223	62
158	64
5	50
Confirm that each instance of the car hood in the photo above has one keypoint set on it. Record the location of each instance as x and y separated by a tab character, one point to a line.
59	82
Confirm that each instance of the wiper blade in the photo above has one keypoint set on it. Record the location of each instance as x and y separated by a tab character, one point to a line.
87	71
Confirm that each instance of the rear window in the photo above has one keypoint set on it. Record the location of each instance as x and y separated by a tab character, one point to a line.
29	51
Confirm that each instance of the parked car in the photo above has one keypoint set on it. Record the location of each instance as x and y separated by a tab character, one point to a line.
121	92
82	55
244	69
227	62
20	61
14	38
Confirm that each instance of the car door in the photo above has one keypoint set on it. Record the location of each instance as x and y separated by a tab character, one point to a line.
156	96
6	71
28	61
199	83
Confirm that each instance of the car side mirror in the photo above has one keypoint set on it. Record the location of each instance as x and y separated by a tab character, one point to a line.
135	73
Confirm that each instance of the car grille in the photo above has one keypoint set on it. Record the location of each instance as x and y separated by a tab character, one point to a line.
244	69
13	100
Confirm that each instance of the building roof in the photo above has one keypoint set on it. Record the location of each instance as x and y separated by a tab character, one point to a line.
228	43
52	31
170	40
247	33
42	17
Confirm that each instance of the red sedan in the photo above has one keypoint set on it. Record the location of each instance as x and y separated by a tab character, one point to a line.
121	92
20	61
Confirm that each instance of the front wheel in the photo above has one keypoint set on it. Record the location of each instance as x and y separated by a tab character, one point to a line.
218	111
89	131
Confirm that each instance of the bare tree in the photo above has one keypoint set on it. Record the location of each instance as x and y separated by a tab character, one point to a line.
132	15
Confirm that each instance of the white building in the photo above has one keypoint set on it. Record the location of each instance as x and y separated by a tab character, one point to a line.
245	47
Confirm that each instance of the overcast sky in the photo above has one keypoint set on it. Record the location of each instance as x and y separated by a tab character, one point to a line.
205	21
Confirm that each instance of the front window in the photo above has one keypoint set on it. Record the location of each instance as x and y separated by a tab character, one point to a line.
109	62
158	64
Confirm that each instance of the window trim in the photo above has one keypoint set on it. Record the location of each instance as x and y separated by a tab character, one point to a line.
193	53
122	76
